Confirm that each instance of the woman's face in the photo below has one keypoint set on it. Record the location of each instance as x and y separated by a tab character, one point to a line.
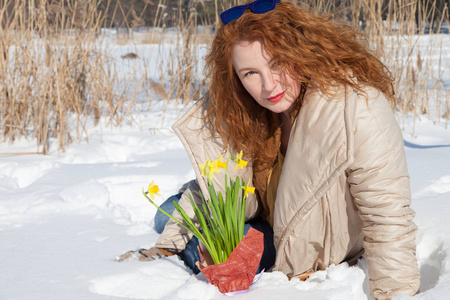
270	87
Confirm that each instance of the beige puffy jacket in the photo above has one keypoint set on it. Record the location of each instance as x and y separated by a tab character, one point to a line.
344	187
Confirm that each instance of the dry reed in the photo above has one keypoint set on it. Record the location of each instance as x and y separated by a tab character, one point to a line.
53	72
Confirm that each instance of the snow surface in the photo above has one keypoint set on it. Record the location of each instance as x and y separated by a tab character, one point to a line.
64	217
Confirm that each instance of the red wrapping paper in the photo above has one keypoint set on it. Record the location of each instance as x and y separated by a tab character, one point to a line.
238	272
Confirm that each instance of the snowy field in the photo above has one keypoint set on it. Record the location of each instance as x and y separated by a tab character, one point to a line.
65	216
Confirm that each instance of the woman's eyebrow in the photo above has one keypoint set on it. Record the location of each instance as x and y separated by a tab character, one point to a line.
243	69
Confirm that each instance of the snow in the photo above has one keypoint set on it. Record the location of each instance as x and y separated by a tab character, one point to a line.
64	217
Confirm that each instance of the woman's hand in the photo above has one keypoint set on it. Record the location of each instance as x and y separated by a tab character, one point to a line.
145	254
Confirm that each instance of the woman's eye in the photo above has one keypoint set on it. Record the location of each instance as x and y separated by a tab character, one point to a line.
249	73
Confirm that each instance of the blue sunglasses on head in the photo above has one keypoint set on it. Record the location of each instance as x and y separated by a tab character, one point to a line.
257	7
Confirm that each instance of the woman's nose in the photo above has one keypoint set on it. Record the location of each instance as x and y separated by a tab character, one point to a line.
269	82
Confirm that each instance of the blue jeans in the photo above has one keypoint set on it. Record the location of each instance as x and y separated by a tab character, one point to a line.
190	255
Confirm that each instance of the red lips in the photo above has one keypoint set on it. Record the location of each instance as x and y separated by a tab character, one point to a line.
276	98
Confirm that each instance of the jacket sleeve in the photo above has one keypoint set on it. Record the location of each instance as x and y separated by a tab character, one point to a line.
379	183
174	236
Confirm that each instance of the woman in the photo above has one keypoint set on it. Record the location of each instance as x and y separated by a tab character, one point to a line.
307	102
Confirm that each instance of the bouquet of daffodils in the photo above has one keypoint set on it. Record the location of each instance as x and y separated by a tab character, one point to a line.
222	216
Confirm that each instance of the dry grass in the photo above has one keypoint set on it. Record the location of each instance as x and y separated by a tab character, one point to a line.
420	88
55	75
181	81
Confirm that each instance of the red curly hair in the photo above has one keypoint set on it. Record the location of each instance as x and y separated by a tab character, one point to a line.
313	50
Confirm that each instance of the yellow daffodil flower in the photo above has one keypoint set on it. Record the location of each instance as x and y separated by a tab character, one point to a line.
153	190
211	167
221	164
205	167
248	189
214	168
240	162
